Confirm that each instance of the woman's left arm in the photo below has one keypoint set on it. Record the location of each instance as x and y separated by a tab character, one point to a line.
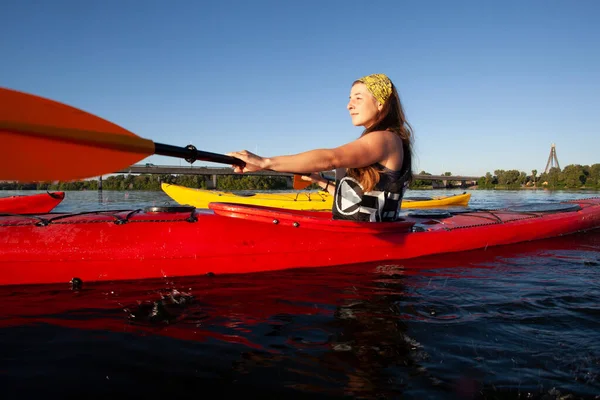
325	184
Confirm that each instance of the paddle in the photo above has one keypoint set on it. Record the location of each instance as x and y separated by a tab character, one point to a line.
300	183
43	140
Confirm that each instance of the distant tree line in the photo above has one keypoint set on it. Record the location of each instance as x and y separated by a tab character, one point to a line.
573	176
153	182
422	184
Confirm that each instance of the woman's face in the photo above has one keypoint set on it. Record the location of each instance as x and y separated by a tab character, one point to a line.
363	107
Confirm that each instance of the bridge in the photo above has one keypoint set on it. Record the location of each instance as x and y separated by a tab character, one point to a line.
211	174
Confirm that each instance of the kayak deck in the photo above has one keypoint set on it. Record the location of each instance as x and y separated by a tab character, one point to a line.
31	204
317	201
234	238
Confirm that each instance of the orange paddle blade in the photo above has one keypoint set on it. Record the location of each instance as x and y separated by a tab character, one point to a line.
300	183
43	140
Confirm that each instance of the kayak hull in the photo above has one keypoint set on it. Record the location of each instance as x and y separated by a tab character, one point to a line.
233	238
31	204
312	201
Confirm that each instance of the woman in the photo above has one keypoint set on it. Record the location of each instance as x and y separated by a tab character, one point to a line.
373	171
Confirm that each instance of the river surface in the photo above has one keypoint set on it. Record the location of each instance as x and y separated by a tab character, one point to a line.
518	322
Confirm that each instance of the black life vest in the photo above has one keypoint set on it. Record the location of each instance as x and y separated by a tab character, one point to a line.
380	204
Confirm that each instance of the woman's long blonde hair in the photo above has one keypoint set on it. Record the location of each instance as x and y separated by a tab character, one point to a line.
390	118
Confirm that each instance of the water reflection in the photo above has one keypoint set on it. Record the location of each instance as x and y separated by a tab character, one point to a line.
497	323
353	331
486	199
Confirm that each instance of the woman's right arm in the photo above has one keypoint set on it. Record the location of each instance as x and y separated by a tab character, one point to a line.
366	150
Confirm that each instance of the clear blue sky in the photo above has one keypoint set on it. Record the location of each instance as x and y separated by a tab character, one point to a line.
486	85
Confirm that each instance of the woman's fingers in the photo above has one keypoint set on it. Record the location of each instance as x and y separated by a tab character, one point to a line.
314	177
242	156
235	154
252	161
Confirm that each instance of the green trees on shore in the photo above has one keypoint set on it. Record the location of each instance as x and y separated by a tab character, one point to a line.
573	176
152	182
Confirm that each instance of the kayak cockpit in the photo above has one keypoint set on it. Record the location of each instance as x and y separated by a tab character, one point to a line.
307	219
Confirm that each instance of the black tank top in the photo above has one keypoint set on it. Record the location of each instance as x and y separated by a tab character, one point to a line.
380	204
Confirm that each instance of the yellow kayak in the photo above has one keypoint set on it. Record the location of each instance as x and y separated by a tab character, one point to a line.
315	201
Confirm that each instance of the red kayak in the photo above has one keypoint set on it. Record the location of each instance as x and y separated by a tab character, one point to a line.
31	204
235	238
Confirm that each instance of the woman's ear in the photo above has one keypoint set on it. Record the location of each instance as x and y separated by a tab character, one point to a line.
379	106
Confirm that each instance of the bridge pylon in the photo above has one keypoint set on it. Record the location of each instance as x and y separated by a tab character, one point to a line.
552	159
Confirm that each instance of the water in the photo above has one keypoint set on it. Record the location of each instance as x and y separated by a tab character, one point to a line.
518	321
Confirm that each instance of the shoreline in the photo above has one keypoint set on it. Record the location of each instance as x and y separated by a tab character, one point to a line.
472	188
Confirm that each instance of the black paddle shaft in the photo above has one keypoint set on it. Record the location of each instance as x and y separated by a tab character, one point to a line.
190	154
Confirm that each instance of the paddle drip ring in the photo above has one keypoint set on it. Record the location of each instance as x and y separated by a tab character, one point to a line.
192	150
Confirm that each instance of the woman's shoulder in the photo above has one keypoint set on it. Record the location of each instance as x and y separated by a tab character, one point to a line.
385	135
389	137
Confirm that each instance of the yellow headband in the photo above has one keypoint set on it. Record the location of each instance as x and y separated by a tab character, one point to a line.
379	85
